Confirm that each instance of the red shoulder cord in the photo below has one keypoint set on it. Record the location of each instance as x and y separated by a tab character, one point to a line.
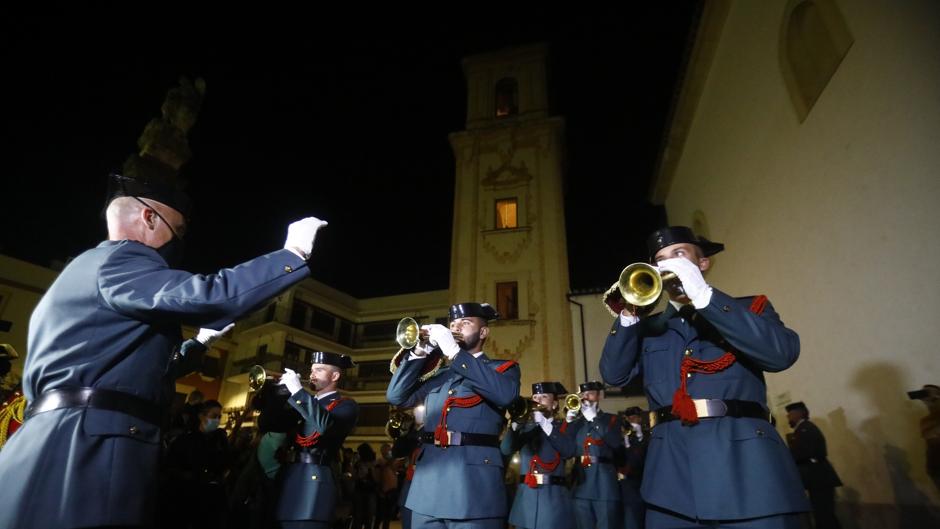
440	433
307	441
547	468
682	405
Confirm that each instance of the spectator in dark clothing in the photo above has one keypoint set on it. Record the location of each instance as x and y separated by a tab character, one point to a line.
197	462
808	447
366	486
387	488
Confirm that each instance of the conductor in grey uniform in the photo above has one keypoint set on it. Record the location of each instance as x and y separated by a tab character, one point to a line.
102	350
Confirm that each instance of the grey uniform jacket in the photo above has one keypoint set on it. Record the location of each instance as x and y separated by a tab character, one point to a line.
111	320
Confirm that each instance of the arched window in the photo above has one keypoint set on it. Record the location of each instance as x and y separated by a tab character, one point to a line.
507	97
813	41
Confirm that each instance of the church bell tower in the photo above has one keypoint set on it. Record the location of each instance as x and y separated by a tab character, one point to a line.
509	245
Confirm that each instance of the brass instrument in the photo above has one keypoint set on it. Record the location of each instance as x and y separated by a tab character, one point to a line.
521	410
397	419
257	377
409	333
642	284
573	402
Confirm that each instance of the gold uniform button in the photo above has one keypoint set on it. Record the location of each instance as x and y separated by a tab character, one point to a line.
486	461
688	352
297	401
613	331
313	478
450	392
133	430
726	309
463	366
448	409
688	375
288	269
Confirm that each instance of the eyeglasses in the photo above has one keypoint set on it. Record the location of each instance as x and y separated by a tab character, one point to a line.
179	232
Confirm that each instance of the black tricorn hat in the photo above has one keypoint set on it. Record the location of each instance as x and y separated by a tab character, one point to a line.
473	310
668	236
796	406
160	189
633	410
593	385
552	388
333	359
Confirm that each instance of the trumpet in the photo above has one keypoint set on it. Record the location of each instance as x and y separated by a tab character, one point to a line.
409	333
521	410
257	377
573	402
642	284
397	419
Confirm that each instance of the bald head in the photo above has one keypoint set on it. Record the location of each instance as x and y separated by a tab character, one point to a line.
143	220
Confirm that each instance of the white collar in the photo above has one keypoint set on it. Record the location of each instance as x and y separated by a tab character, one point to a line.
478	355
324	395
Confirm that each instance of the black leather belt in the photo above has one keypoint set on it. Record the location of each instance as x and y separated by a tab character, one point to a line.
463	439
711	408
549	480
102	399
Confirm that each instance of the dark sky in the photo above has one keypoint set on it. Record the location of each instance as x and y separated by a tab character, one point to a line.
339	116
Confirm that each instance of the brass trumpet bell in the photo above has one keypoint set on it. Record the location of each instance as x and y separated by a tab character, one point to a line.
408	333
642	284
257	377
573	402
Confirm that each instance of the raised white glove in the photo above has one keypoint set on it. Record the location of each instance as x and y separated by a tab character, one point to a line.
538	416
691	278
301	234
208	336
442	337
589	410
291	380
571	415
514	425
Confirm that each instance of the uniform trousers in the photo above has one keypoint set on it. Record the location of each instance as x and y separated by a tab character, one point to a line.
589	514
421	521
657	518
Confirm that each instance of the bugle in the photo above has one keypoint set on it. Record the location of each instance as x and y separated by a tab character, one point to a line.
642	284
409	333
521	410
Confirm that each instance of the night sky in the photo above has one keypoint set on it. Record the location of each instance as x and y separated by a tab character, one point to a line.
338	116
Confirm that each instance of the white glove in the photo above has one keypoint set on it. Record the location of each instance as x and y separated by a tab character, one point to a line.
571	415
514	425
301	234
208	336
441	336
589	410
691	278
418	352
544	422
291	380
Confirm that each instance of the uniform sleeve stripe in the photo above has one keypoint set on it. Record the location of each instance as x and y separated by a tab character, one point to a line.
757	306
505	365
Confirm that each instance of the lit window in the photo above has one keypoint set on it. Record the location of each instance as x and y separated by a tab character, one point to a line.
507	304
507	95
506	214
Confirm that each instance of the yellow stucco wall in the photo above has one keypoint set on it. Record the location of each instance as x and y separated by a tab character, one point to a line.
836	220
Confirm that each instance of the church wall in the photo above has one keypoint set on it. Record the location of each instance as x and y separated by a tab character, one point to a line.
835	218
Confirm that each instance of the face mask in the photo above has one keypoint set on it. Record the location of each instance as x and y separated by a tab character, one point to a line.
172	252
211	425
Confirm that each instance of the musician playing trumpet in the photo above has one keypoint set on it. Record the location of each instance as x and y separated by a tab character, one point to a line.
599	445
458	478
542	500
713	455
